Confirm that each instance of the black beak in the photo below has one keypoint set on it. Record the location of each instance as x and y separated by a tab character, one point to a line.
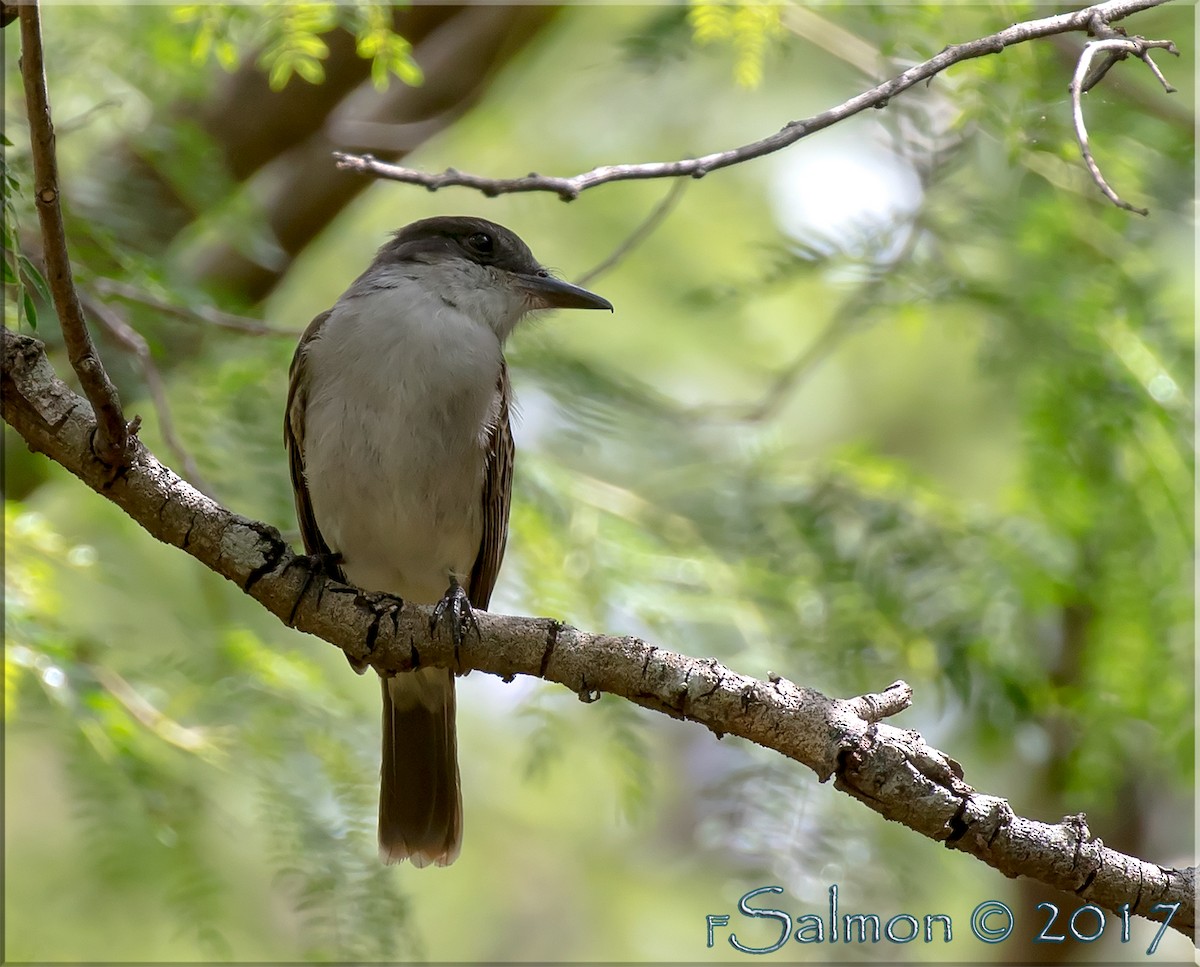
547	292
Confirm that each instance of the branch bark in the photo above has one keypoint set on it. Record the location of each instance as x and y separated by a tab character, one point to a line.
1087	19
893	772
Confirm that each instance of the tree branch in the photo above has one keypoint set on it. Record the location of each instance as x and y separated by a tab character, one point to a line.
1085	79
893	772
112	437
1089	19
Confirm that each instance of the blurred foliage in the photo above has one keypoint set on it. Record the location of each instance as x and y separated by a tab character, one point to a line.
910	399
288	37
23	282
747	27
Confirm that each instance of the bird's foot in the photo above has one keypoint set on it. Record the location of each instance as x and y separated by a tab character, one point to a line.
328	563
315	565
457	607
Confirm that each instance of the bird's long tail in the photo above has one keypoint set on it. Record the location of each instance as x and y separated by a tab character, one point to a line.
420	804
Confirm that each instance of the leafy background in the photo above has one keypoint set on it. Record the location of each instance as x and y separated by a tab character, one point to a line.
907	400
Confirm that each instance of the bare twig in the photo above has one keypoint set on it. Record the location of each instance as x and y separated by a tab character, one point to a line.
112	433
130	340
877	97
205	314
1116	48
1145	100
892	771
638	235
1170	48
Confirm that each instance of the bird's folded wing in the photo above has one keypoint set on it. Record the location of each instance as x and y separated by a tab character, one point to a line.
497	495
293	437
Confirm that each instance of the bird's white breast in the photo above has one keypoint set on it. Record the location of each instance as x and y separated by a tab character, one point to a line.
402	396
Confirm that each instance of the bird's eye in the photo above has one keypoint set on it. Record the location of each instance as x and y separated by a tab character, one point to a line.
481	243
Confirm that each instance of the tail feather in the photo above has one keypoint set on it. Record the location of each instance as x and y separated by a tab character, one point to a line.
420	803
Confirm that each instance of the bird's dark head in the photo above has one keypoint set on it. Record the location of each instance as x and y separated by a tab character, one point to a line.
473	260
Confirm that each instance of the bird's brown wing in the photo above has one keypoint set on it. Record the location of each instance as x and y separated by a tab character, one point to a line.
497	496
293	437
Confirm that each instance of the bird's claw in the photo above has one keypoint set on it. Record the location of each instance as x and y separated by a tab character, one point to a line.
328	563
462	616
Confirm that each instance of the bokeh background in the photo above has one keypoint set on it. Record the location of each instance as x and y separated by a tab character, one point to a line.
909	399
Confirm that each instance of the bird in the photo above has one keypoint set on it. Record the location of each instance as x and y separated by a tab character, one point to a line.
400	449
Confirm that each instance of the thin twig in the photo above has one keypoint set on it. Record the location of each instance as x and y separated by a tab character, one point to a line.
112	435
787	380
205	314
166	728
130	340
877	97
1145	100
1085	78
638	235
1149	62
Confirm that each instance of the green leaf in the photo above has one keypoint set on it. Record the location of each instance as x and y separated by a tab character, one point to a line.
748	27
407	69
311	70
226	54
202	44
30	309
369	44
313	18
311	45
279	74
35	277
710	22
10	277
380	75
